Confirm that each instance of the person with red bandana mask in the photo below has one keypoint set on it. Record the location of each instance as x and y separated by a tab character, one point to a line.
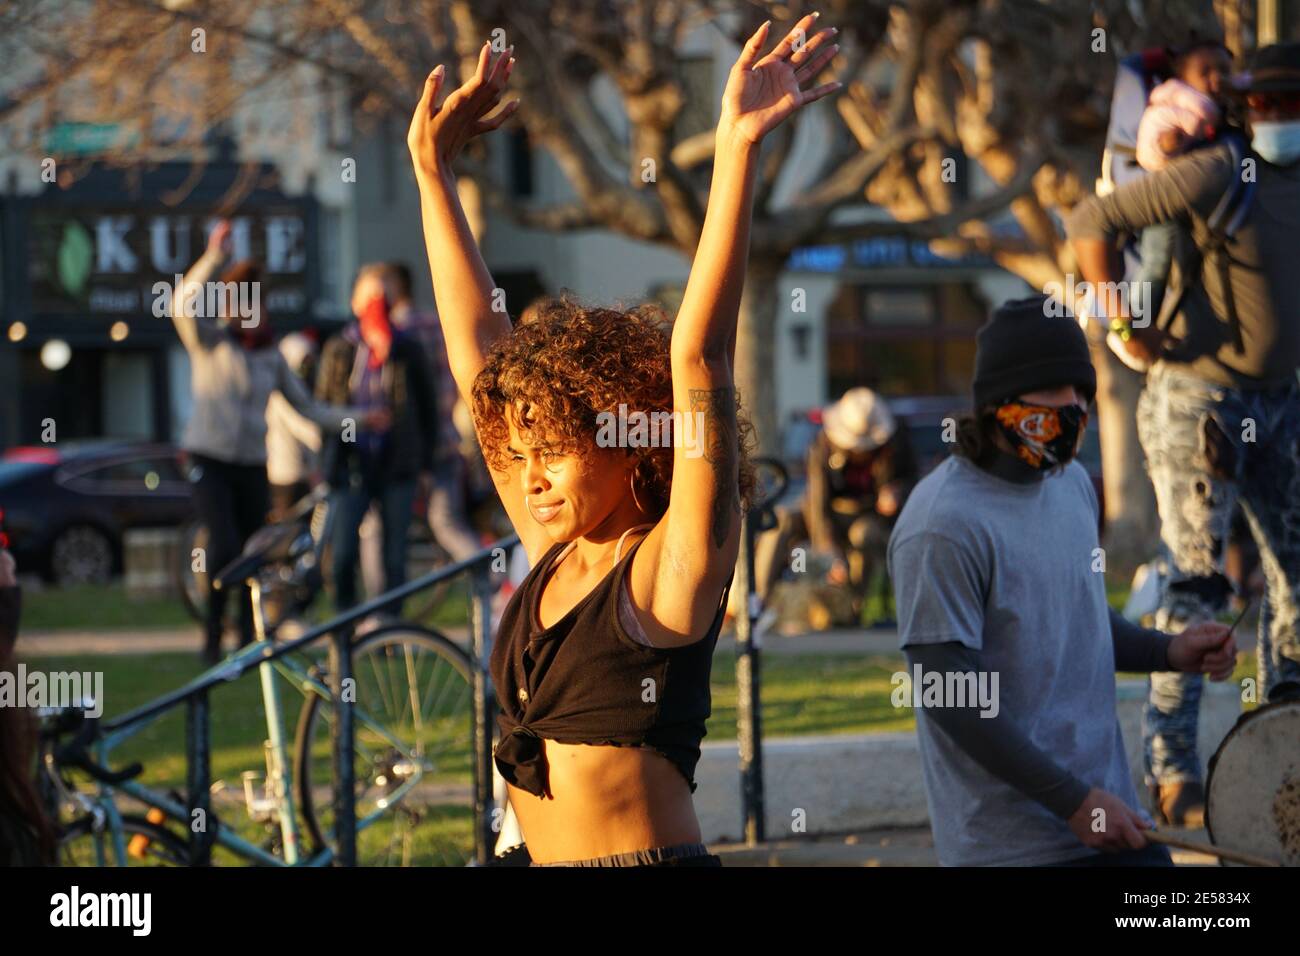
377	367
234	368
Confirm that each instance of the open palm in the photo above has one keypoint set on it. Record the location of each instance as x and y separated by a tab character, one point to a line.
439	133
762	92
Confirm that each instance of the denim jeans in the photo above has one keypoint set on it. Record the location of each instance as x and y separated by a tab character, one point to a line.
1153	854
349	505
1208	448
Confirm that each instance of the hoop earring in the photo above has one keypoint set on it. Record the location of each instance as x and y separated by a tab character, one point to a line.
632	483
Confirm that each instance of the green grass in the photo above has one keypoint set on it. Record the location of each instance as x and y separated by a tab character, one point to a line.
98	607
238	729
106	607
238	726
808	694
802	694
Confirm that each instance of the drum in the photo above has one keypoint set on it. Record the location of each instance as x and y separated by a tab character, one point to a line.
1252	799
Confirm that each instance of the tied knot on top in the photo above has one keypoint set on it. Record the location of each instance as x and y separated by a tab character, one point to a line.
520	759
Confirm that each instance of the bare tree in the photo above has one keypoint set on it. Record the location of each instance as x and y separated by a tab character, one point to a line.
1020	87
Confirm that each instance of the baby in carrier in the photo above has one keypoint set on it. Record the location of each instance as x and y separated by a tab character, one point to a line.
1182	113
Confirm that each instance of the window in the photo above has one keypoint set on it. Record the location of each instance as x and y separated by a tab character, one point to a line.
519	161
905	307
157	473
902	339
331	300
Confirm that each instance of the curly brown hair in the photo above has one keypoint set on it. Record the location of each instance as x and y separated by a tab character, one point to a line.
569	363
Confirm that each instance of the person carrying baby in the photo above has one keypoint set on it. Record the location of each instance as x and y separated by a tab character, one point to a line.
1182	113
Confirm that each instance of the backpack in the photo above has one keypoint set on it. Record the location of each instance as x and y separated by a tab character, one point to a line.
1222	225
1135	78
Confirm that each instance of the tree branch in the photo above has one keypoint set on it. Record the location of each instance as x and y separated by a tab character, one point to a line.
610	203
561	217
944	226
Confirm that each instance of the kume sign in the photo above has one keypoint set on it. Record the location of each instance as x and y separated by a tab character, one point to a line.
106	261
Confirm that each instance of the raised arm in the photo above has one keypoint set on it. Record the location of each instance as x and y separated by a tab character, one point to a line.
331	419
202	331
695	546
1188	186
761	93
462	286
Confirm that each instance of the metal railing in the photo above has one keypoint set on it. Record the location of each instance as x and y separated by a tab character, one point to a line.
759	517
194	695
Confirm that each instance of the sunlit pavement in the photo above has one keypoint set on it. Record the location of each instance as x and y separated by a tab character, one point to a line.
910	846
895	847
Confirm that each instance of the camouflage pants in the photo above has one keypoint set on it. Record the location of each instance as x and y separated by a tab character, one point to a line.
1209	448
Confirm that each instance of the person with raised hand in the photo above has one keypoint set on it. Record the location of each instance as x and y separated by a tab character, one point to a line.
234	369
601	662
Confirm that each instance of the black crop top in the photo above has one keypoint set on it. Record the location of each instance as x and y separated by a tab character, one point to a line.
585	680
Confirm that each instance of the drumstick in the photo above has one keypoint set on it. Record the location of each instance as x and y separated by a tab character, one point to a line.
1234	856
1244	609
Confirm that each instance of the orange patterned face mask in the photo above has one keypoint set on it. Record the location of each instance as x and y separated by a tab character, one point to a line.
1043	436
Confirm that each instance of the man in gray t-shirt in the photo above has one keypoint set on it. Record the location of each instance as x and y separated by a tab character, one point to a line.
998	573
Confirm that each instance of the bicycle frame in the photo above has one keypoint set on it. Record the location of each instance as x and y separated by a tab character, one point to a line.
269	658
225	836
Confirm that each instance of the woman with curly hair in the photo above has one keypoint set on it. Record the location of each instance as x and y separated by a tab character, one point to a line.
601	662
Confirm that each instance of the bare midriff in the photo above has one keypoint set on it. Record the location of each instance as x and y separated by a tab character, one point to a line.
605	800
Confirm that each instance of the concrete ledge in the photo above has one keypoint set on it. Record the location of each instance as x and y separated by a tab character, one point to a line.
840	783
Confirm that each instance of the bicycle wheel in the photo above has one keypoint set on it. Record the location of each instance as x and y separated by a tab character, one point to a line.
414	737
423	555
147	844
193	585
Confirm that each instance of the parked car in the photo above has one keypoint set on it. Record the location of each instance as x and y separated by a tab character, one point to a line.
66	508
924	417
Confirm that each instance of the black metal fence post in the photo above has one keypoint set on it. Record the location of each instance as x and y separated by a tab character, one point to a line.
749	718
343	690
198	779
481	640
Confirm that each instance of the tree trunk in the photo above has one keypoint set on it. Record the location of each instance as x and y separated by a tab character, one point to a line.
1132	526
756	353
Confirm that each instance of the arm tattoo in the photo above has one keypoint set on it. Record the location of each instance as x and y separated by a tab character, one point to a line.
721	451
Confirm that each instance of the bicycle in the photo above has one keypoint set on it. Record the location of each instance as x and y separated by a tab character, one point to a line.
310	514
415	742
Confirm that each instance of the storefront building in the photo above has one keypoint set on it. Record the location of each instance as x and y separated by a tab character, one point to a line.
899	318
85	339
